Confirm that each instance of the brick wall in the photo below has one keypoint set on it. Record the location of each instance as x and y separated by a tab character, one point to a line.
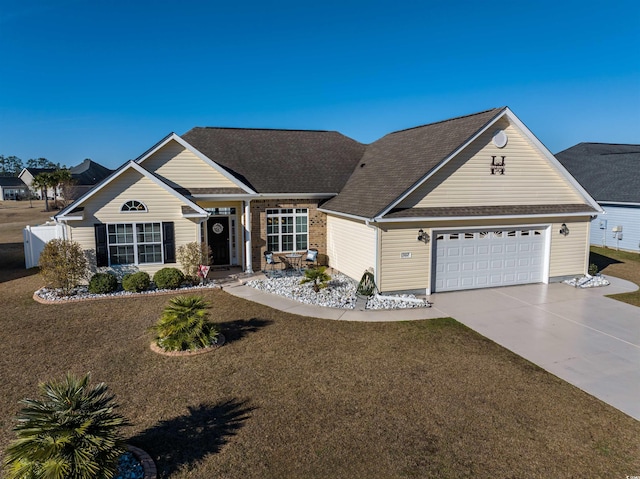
317	228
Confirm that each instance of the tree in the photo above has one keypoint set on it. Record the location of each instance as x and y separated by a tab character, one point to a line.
41	182
10	165
64	181
63	264
41	163
72	432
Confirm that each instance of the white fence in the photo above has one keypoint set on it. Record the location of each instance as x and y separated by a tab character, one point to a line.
35	237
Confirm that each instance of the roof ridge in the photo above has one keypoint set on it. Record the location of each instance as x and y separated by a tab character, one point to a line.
261	129
604	143
448	119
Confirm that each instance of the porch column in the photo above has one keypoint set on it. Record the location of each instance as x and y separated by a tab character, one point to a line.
246	226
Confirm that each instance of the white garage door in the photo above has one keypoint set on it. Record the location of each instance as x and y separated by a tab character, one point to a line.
489	258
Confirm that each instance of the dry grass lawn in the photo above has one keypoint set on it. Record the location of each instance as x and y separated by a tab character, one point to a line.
621	264
297	397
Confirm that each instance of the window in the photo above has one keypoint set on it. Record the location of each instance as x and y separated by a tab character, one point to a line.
125	247
132	205
287	229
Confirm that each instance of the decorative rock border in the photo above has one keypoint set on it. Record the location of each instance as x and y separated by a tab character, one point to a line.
157	349
148	466
73	299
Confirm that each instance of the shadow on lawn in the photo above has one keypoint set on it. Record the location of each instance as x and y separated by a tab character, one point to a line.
602	261
12	265
238	329
185	440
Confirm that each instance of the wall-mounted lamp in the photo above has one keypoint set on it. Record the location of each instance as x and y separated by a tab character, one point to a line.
422	236
564	229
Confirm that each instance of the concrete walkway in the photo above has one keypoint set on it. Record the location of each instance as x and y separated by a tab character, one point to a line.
577	334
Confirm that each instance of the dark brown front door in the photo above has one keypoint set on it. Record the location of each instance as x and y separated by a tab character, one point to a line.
218	234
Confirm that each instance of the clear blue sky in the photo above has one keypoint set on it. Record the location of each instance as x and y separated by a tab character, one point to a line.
107	80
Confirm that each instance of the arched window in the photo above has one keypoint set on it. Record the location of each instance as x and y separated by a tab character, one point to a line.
133	205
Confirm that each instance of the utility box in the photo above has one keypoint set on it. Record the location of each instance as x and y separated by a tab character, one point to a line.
617	229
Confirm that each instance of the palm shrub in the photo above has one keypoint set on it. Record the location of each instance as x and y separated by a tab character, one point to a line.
192	255
317	277
184	325
72	432
63	264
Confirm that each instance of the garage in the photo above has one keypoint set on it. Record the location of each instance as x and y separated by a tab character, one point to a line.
488	258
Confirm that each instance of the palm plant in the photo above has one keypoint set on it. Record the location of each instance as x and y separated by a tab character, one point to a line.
41	182
317	277
71	433
184	325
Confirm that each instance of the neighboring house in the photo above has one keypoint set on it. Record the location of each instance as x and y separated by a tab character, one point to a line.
85	176
611	175
28	174
12	188
472	202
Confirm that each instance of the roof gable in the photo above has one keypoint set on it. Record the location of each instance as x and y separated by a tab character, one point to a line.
609	172
281	161
397	163
89	172
62	215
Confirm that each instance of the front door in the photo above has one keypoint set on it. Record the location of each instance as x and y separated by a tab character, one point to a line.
218	238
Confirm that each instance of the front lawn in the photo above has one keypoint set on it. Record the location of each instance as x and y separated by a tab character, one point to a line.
621	264
297	397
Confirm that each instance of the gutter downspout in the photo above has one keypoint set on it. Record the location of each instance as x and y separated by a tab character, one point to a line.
376	275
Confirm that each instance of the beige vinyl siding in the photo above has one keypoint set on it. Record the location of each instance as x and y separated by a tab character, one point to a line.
403	274
467	180
104	207
351	246
182	168
569	254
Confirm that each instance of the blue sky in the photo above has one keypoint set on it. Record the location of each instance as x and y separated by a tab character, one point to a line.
107	80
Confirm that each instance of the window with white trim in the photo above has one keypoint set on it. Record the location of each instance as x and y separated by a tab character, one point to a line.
133	205
134	243
287	229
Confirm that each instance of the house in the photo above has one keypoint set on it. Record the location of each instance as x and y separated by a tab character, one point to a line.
28	174
611	175
12	188
84	175
471	202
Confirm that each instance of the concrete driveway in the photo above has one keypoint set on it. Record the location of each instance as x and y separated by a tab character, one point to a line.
586	339
580	336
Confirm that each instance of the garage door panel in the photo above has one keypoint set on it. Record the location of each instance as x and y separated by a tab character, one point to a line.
488	258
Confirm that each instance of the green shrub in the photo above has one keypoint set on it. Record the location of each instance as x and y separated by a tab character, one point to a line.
63	264
103	283
593	269
168	278
317	277
136	282
72	432
184	326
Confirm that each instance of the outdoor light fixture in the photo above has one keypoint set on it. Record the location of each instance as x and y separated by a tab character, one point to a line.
422	236
564	230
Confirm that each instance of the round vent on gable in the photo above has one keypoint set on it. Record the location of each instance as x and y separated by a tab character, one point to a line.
500	139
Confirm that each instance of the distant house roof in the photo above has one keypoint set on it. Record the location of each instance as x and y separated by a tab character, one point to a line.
396	162
89	172
36	171
280	161
11	181
609	172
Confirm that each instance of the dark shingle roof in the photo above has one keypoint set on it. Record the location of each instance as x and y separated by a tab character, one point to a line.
280	161
8	181
609	172
89	173
501	210
36	171
396	162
